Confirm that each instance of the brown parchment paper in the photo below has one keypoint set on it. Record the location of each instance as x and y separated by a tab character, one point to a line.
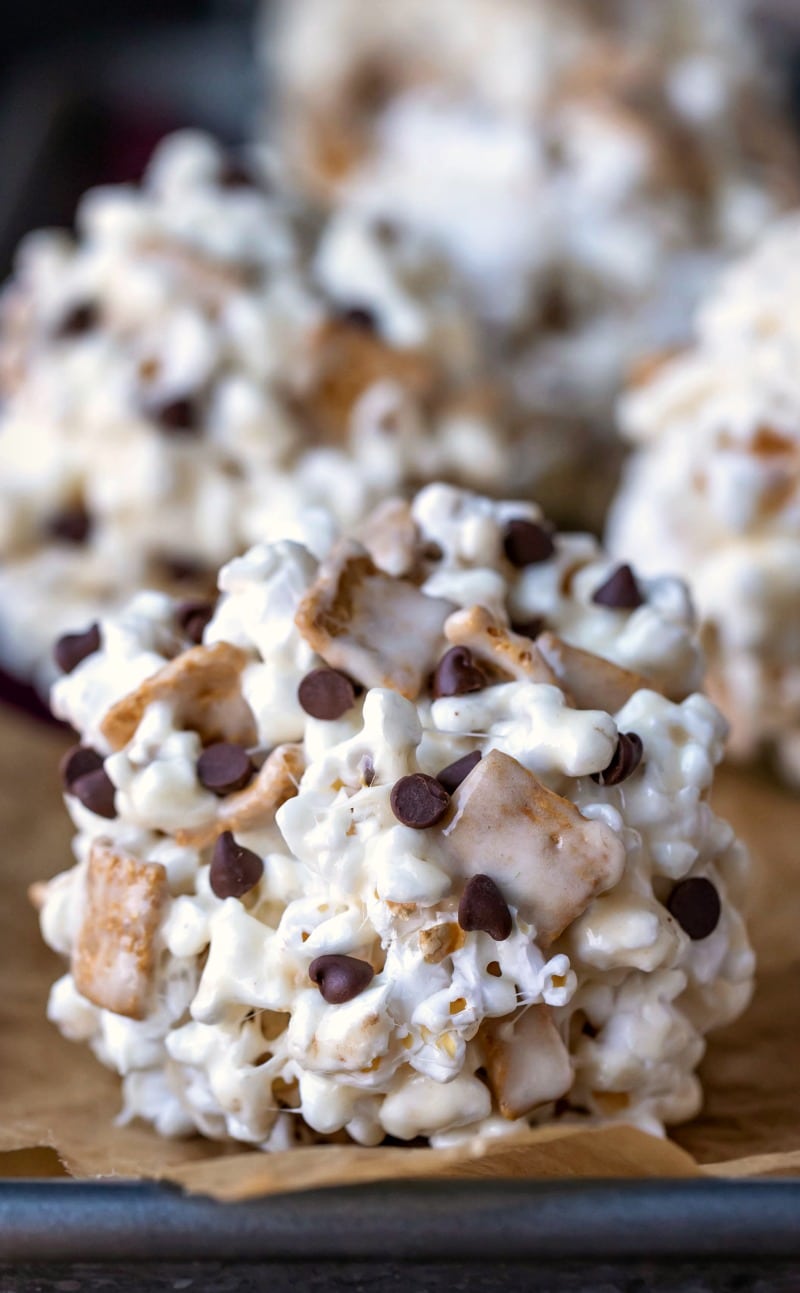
58	1105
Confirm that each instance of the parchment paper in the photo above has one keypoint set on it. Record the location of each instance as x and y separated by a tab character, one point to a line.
58	1105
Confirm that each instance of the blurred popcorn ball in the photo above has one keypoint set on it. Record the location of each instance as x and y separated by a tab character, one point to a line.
408	836
176	384
713	490
580	166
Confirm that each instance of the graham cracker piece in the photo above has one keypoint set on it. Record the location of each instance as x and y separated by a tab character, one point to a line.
347	359
548	860
113	962
383	632
491	643
592	681
526	1062
256	805
204	685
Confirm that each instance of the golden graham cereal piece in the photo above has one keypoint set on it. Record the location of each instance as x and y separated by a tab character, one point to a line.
591	681
255	806
508	654
526	1061
548	860
381	631
204	685
113	961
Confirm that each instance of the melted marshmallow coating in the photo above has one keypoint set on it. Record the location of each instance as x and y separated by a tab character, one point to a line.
595	1004
175	383
713	490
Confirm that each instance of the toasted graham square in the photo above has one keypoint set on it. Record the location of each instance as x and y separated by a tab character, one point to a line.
204	684
113	962
381	631
548	860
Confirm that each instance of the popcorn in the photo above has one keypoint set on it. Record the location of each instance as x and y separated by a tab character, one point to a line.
712	491
446	908
579	167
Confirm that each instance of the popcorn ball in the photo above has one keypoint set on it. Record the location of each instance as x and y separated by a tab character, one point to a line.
407	836
714	490
175	382
580	166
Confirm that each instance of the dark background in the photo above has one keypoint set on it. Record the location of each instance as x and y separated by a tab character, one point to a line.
88	86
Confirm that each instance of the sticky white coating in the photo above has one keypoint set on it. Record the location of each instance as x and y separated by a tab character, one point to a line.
582	172
714	490
201	288
238	1041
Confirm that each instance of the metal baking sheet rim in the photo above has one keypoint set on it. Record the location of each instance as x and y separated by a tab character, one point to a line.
424	1221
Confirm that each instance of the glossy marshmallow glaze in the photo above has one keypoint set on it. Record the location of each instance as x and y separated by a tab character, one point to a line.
596	1003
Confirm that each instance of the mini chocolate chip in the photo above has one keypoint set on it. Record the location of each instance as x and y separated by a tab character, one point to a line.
456	674
625	761
530	628
526	543
419	801
224	768
326	694
452	776
72	648
340	978
184	570
360	316
483	907
620	591
96	791
179	416
235	175
71	525
81	318
235	870
193	619
696	906
77	762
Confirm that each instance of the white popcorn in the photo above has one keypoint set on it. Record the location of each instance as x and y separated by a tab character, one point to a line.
712	491
354	978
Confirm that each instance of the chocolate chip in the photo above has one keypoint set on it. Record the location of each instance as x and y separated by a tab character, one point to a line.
72	648
419	801
452	776
696	906
80	319
235	175
77	762
235	870
326	694
620	591
625	761
179	416
96	791
184	570
530	628
526	543
340	978
193	619
360	316
71	525
224	768
456	674
483	907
